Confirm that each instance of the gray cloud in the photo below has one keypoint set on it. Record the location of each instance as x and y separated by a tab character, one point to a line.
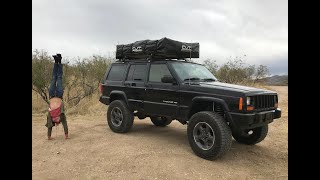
258	29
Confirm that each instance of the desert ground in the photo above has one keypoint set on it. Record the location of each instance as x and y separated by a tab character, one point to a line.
149	152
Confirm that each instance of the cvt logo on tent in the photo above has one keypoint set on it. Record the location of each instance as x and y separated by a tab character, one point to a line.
186	48
137	49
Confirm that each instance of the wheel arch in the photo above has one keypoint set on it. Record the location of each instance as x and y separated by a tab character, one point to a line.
200	102
118	95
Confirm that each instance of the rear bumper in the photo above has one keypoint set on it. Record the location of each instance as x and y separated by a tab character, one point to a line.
104	100
247	121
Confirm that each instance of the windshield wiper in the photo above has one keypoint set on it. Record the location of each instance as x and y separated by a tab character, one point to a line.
208	79
191	79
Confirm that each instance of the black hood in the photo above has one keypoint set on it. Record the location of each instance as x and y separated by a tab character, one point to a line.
234	90
235	87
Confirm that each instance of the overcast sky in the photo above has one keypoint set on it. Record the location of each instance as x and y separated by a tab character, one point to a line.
224	28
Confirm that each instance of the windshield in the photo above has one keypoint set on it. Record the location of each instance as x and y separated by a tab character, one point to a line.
190	71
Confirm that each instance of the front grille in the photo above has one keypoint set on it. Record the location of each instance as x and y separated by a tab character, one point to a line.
264	101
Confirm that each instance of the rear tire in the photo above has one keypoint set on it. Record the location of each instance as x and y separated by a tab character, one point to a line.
251	136
209	135
119	117
160	121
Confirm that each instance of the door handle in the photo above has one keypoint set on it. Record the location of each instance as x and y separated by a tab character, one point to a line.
130	84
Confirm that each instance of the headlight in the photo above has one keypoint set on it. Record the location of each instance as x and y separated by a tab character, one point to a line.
248	101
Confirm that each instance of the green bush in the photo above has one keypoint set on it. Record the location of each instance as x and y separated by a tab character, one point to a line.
236	71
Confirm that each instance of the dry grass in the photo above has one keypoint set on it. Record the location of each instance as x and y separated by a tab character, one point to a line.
38	104
89	105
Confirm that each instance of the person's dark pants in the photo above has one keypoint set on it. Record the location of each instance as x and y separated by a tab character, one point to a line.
56	89
64	124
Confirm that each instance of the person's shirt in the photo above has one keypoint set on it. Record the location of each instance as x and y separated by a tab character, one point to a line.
56	108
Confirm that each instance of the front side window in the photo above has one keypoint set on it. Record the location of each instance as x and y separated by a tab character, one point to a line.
158	71
116	72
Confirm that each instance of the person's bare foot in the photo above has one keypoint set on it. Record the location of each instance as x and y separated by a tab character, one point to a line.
50	138
66	136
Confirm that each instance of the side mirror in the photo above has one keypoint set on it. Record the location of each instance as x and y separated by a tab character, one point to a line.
167	79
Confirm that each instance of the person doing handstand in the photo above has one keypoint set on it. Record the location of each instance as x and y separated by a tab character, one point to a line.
56	112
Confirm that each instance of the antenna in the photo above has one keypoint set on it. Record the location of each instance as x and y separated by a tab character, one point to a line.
190	50
190	61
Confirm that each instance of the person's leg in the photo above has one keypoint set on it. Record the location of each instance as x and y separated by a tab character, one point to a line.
53	84
49	125
49	133
65	125
59	87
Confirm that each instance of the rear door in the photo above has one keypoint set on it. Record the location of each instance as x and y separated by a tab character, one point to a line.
135	85
161	98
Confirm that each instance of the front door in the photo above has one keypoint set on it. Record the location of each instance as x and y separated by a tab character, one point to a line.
161	98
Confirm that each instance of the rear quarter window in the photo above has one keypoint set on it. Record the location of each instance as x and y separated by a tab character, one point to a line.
116	72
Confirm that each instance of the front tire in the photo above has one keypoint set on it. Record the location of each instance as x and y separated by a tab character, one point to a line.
251	136
119	117
209	135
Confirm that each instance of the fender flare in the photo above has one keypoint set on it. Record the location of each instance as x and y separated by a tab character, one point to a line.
121	93
216	100
213	99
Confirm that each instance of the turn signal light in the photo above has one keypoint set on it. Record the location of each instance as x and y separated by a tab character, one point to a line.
250	108
240	103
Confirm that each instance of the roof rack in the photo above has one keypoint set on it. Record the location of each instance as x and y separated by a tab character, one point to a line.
149	60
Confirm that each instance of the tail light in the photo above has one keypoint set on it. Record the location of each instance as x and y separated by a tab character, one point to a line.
100	88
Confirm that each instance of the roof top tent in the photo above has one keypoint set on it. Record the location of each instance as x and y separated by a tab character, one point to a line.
164	48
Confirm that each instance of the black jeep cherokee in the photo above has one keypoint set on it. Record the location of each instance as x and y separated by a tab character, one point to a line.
167	90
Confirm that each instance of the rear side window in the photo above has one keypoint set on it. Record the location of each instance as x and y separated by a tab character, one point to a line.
116	72
137	72
158	71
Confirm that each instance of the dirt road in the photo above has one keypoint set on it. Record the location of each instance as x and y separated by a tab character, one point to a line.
148	152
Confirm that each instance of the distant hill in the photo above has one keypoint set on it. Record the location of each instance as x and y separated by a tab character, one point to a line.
277	80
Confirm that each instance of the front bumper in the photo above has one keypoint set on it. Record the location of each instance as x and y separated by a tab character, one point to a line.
248	121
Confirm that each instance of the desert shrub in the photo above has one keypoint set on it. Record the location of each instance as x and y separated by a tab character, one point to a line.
236	71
